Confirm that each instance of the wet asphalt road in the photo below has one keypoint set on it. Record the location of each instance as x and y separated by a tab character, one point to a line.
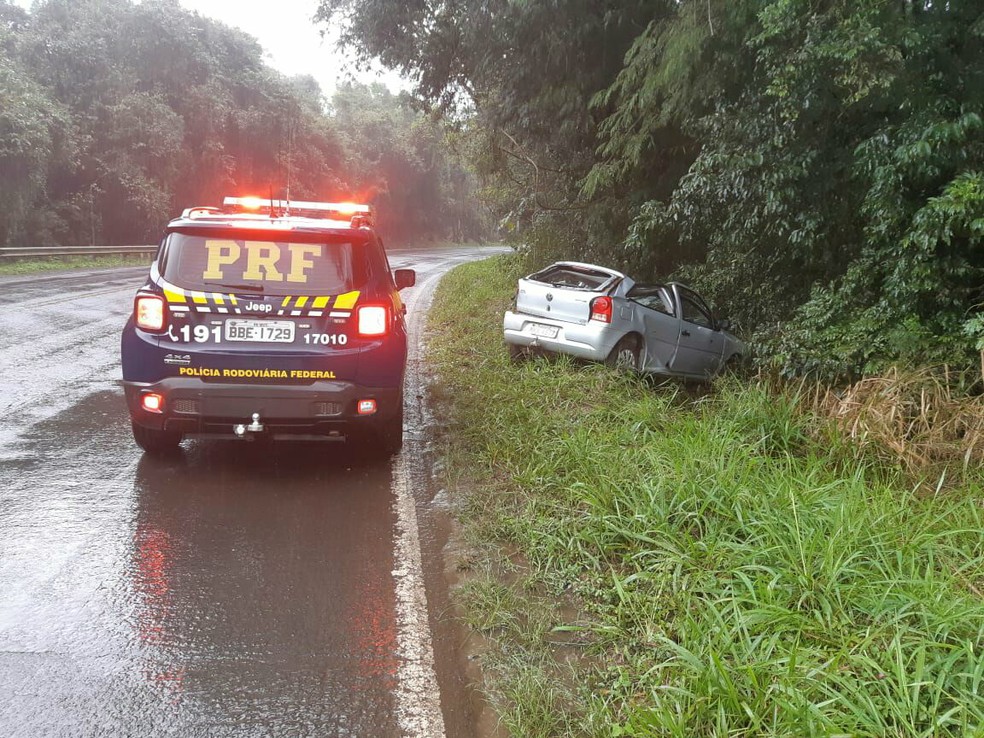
237	590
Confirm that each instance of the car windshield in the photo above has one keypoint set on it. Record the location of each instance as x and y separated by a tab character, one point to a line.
263	264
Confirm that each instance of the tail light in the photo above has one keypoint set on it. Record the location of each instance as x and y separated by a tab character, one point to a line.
373	320
149	312
601	309
152	402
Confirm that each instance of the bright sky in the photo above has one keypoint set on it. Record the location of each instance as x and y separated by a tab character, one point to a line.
291	40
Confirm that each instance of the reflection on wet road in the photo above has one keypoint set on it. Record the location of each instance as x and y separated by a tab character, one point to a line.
264	573
236	590
241	589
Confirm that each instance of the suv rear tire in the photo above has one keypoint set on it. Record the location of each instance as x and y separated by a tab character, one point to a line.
389	435
156	442
379	438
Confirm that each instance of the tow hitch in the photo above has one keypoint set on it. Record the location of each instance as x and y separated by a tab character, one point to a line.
255	427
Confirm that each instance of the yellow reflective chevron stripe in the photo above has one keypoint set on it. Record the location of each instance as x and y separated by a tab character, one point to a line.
346	301
308	302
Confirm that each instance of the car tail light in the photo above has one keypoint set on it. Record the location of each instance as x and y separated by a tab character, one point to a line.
373	320
601	309
149	312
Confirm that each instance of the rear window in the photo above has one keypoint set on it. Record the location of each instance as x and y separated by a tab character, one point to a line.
261	263
579	278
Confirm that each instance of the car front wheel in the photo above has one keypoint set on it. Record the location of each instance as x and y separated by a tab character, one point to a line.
732	366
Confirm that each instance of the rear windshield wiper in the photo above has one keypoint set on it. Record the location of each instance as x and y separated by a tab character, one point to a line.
246	287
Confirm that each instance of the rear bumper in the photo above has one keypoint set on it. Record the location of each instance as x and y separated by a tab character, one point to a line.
592	340
195	407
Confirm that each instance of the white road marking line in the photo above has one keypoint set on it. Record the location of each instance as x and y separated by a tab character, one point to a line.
418	695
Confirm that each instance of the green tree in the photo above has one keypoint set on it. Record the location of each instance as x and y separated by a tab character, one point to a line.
521	75
116	115
833	191
400	159
35	135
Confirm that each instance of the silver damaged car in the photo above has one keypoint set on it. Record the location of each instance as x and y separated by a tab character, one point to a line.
596	313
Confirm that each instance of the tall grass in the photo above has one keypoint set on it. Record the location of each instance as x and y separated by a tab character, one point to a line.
737	566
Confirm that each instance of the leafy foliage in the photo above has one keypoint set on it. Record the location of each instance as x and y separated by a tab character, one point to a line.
517	78
832	203
116	115
34	135
815	167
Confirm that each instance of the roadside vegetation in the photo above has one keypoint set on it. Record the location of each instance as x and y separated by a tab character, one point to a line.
816	170
746	559
116	115
61	263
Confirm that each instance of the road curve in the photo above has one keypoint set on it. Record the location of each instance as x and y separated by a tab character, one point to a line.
238	590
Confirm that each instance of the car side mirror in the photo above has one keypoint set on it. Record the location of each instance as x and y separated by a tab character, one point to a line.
405	278
724	325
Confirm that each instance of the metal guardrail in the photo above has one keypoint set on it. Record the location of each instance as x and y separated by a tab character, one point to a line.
34	252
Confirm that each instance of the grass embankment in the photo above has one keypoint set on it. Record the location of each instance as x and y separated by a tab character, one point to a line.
60	263
649	563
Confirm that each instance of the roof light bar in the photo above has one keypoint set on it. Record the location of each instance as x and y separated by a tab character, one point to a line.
259	203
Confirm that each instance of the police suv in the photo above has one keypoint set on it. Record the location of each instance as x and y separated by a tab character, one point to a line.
268	318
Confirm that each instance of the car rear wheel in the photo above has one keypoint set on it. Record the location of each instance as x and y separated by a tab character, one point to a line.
156	442
625	355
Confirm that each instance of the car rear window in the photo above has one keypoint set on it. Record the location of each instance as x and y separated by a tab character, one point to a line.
579	278
263	263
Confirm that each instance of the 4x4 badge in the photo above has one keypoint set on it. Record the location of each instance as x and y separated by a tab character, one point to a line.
177	359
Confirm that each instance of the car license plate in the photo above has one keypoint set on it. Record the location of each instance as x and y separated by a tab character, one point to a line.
544	331
259	331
